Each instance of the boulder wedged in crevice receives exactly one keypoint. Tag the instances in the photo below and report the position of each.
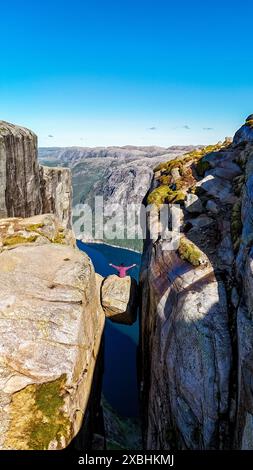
(119, 299)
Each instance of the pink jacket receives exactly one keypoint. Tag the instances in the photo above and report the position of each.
(122, 270)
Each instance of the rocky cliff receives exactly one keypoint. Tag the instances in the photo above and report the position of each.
(26, 188)
(56, 193)
(197, 336)
(51, 322)
(19, 172)
(51, 327)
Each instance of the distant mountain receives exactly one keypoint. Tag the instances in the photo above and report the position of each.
(121, 174)
(73, 155)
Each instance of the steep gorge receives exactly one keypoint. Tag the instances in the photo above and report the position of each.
(196, 304)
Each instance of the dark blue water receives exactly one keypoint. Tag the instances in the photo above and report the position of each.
(120, 377)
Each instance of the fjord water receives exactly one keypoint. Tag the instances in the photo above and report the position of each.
(121, 341)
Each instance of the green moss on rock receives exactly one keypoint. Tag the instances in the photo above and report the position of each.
(50, 423)
(202, 166)
(37, 417)
(19, 239)
(164, 194)
(249, 123)
(189, 252)
(34, 227)
(59, 238)
(164, 179)
(168, 166)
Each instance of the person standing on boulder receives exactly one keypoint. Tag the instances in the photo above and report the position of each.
(122, 269)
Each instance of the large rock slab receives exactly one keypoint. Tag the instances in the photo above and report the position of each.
(51, 325)
(218, 187)
(119, 299)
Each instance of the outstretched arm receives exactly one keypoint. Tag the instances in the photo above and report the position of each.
(113, 266)
(129, 267)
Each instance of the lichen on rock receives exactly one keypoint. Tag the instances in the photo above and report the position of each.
(37, 417)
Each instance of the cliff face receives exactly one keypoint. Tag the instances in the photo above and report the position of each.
(20, 194)
(197, 336)
(26, 188)
(51, 319)
(56, 192)
(244, 271)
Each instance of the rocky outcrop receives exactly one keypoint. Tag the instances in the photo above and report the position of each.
(119, 298)
(197, 336)
(40, 229)
(51, 318)
(245, 133)
(56, 191)
(51, 326)
(26, 188)
(20, 194)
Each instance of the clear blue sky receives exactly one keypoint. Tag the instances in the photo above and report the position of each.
(107, 72)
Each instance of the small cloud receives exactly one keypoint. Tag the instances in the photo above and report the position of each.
(152, 128)
(207, 128)
(50, 135)
(186, 127)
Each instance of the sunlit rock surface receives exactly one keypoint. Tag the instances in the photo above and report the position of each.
(51, 325)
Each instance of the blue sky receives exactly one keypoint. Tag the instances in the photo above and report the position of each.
(141, 72)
